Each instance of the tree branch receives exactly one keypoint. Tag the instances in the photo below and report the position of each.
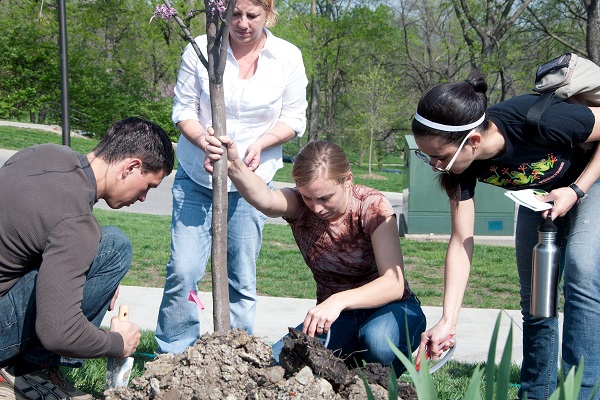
(188, 35)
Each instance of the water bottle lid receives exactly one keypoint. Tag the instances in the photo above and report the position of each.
(547, 226)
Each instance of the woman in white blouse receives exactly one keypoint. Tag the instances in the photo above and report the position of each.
(265, 102)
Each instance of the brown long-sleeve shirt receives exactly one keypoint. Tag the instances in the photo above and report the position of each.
(46, 221)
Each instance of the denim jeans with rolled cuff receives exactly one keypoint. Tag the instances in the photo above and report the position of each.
(364, 333)
(18, 339)
(191, 239)
(579, 240)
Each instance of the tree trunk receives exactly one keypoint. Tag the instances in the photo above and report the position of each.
(41, 119)
(217, 32)
(220, 284)
(313, 114)
(218, 41)
(591, 37)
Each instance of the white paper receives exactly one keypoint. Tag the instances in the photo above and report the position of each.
(526, 198)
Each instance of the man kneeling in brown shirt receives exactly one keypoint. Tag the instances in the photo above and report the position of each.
(59, 269)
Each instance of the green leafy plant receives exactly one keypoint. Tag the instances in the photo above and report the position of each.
(497, 380)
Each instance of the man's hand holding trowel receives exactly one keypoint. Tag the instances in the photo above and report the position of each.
(118, 370)
(130, 332)
(120, 323)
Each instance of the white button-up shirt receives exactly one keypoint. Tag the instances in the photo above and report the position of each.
(276, 93)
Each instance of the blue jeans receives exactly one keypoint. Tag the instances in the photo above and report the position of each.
(579, 239)
(191, 238)
(364, 333)
(18, 339)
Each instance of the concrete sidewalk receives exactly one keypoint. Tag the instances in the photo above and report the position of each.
(274, 315)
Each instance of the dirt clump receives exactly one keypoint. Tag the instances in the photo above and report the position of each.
(235, 365)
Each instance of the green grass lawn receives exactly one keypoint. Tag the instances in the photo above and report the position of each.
(12, 138)
(18, 138)
(383, 181)
(493, 282)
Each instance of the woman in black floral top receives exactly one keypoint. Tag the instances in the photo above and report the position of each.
(467, 142)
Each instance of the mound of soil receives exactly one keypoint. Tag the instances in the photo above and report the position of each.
(234, 365)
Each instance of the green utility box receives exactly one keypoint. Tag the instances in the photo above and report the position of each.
(426, 208)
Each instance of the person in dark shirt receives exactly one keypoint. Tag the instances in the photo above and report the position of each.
(468, 143)
(59, 270)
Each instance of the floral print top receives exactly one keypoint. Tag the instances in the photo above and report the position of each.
(526, 163)
(340, 254)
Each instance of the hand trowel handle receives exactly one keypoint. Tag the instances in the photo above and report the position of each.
(123, 312)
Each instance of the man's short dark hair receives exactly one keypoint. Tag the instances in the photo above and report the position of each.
(137, 137)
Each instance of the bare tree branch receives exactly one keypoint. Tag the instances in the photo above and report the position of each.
(188, 35)
(548, 32)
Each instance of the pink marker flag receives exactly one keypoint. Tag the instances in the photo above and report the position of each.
(194, 297)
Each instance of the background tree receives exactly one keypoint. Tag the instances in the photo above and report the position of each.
(121, 65)
(489, 22)
(592, 34)
(29, 49)
(572, 20)
(430, 50)
(374, 105)
(431, 35)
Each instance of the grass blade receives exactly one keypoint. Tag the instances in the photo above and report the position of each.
(422, 381)
(393, 385)
(370, 395)
(472, 392)
(490, 369)
(503, 379)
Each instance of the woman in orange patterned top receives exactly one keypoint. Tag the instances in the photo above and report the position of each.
(348, 236)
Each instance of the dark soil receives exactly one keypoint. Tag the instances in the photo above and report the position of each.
(234, 365)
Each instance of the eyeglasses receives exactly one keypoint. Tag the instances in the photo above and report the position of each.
(425, 158)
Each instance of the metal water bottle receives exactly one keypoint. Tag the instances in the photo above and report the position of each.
(544, 277)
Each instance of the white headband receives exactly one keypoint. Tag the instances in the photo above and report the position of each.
(449, 128)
